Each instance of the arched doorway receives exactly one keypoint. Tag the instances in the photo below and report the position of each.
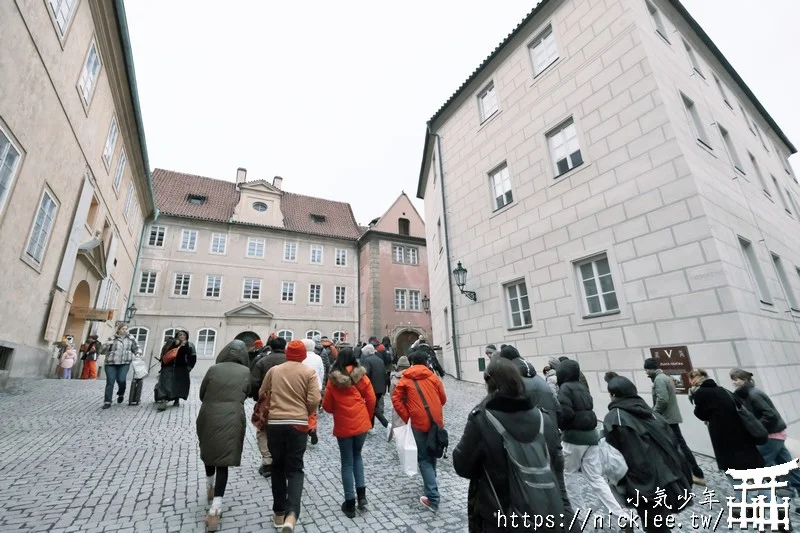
(248, 338)
(402, 345)
(76, 323)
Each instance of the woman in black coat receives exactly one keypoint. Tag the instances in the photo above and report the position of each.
(173, 379)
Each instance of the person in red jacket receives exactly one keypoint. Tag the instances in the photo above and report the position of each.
(351, 400)
(408, 403)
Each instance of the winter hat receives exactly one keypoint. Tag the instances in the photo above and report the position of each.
(609, 376)
(258, 344)
(317, 339)
(381, 348)
(296, 351)
(509, 352)
(490, 349)
(553, 362)
(309, 344)
(403, 363)
(651, 364)
(367, 350)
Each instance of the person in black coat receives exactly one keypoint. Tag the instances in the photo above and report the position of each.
(422, 346)
(174, 378)
(374, 365)
(536, 388)
(481, 450)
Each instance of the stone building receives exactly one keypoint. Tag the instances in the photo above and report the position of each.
(75, 188)
(393, 277)
(238, 260)
(612, 186)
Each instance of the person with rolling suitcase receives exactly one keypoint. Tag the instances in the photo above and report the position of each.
(140, 372)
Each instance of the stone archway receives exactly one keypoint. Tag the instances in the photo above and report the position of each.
(248, 338)
(76, 323)
(404, 338)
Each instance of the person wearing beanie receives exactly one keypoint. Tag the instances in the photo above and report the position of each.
(261, 365)
(314, 362)
(257, 348)
(375, 367)
(609, 376)
(489, 350)
(289, 395)
(665, 403)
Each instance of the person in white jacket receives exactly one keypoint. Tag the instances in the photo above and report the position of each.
(314, 362)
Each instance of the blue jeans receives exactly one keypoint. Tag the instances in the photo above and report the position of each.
(774, 453)
(352, 465)
(66, 373)
(118, 373)
(427, 467)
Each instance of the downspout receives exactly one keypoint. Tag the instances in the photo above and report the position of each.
(453, 335)
(358, 292)
(145, 225)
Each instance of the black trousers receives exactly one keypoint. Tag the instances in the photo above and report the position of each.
(221, 481)
(388, 382)
(696, 470)
(287, 447)
(379, 411)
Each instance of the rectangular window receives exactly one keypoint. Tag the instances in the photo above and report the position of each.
(62, 11)
(565, 150)
(543, 50)
(413, 300)
(147, 282)
(778, 192)
(722, 91)
(287, 291)
(487, 100)
(760, 137)
(446, 317)
(290, 251)
(114, 297)
(756, 274)
(413, 256)
(219, 243)
(597, 286)
(747, 119)
(189, 240)
(398, 253)
(694, 119)
(785, 285)
(128, 201)
(400, 299)
(316, 254)
(692, 58)
(519, 306)
(658, 21)
(182, 282)
(42, 225)
(111, 141)
(439, 234)
(9, 156)
(732, 153)
(793, 202)
(157, 234)
(314, 293)
(251, 289)
(123, 160)
(134, 214)
(501, 186)
(760, 176)
(341, 295)
(89, 74)
(255, 247)
(341, 257)
(213, 286)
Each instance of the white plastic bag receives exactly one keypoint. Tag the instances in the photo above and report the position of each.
(614, 465)
(389, 432)
(140, 370)
(406, 449)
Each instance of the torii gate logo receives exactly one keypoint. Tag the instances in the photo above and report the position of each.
(759, 511)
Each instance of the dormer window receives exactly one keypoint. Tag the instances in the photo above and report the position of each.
(196, 199)
(260, 206)
(318, 218)
(403, 226)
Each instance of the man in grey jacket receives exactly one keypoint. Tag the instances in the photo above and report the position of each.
(665, 403)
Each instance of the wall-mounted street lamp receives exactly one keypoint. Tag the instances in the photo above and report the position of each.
(426, 304)
(130, 312)
(460, 273)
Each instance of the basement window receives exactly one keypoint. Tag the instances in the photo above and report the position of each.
(318, 218)
(196, 199)
(5, 357)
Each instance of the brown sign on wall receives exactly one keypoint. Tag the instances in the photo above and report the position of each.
(675, 362)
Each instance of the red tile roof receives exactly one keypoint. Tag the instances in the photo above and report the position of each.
(172, 189)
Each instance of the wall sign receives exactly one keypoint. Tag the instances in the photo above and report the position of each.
(675, 363)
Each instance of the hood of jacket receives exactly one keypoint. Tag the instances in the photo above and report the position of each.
(234, 352)
(340, 379)
(509, 410)
(418, 372)
(526, 370)
(744, 391)
(568, 370)
(634, 405)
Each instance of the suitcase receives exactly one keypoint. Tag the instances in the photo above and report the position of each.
(135, 395)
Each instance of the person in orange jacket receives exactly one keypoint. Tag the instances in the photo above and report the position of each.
(351, 400)
(406, 399)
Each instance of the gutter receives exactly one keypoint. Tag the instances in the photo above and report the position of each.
(358, 292)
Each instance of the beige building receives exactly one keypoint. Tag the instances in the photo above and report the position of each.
(240, 260)
(74, 181)
(615, 190)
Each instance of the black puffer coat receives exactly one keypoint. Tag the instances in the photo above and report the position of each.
(261, 366)
(374, 366)
(758, 403)
(733, 445)
(577, 418)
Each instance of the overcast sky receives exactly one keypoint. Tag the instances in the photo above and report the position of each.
(334, 96)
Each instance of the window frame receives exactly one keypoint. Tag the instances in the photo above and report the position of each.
(253, 288)
(174, 331)
(408, 255)
(119, 172)
(198, 343)
(338, 254)
(338, 336)
(151, 278)
(163, 236)
(184, 276)
(694, 61)
(404, 294)
(539, 40)
(196, 238)
(284, 331)
(51, 9)
(692, 113)
(585, 311)
(319, 293)
(783, 280)
(224, 236)
(45, 242)
(730, 148)
(256, 241)
(753, 267)
(506, 179)
(439, 234)
(418, 307)
(218, 289)
(111, 144)
(402, 250)
(336, 298)
(138, 330)
(516, 283)
(290, 245)
(285, 293)
(14, 172)
(87, 100)
(311, 333)
(759, 174)
(482, 110)
(779, 193)
(313, 248)
(657, 20)
(722, 91)
(558, 130)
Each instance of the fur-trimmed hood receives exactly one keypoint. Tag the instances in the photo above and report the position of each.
(341, 379)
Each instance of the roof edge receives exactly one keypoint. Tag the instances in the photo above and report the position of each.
(422, 182)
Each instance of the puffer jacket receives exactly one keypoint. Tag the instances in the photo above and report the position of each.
(121, 350)
(221, 423)
(577, 418)
(758, 403)
(261, 366)
(552, 381)
(408, 404)
(373, 364)
(351, 400)
(68, 358)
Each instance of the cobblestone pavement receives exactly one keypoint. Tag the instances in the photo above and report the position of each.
(66, 465)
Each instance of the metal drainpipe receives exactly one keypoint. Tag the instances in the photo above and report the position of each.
(454, 337)
(358, 293)
(145, 225)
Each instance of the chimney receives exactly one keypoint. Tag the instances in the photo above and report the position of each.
(241, 175)
(277, 181)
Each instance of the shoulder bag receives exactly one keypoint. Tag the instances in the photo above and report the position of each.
(438, 440)
(752, 425)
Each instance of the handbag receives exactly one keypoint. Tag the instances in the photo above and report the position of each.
(438, 439)
(258, 418)
(170, 356)
(752, 425)
(140, 369)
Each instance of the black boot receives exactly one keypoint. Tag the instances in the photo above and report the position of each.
(176, 403)
(349, 508)
(362, 498)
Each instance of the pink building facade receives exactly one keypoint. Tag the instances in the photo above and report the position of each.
(393, 277)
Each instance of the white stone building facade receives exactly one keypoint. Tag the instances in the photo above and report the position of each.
(612, 186)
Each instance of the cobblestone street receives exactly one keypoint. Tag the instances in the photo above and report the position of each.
(66, 465)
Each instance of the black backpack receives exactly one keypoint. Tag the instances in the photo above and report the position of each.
(532, 485)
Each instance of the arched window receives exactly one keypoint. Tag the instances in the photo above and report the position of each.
(286, 334)
(140, 334)
(403, 226)
(170, 334)
(311, 333)
(206, 343)
(339, 336)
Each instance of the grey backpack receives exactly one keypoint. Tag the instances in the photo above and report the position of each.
(532, 485)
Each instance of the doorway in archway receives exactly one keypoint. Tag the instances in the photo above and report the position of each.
(404, 341)
(248, 338)
(76, 323)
